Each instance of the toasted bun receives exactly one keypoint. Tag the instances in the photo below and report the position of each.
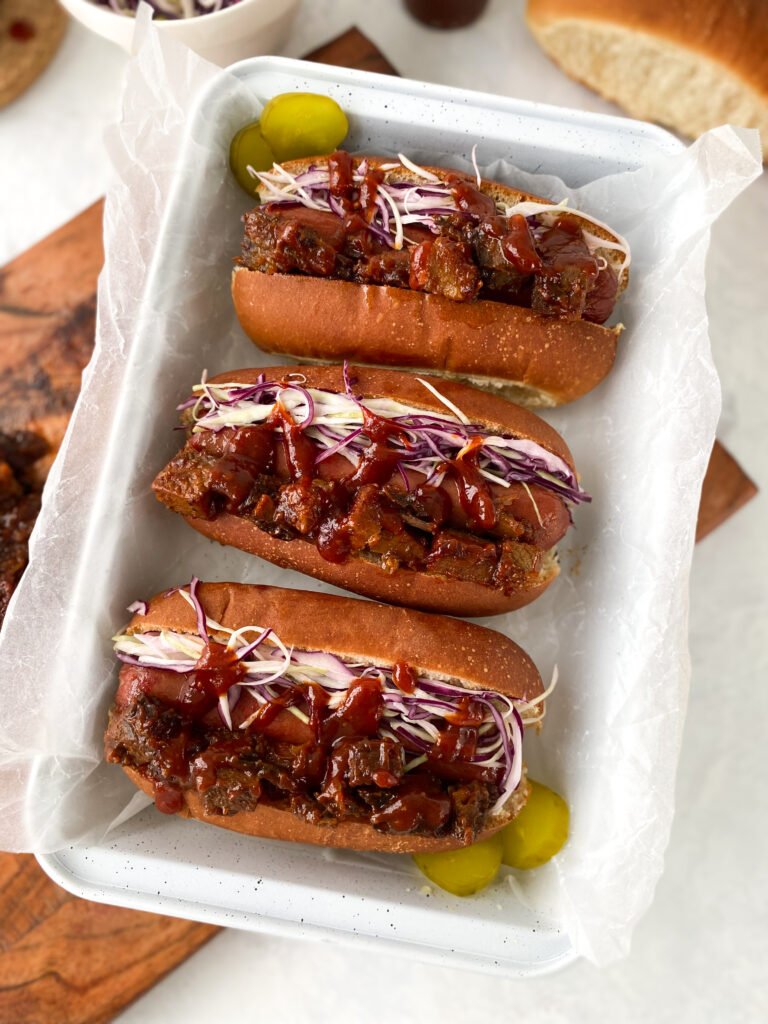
(529, 358)
(405, 586)
(448, 649)
(688, 65)
(523, 355)
(272, 823)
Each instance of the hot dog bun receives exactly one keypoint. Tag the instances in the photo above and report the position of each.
(359, 632)
(687, 65)
(519, 353)
(404, 586)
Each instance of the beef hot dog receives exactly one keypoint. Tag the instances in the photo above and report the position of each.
(445, 500)
(321, 719)
(386, 263)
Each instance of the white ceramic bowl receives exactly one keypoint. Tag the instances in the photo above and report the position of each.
(249, 28)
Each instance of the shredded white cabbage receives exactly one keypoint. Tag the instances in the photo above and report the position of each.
(460, 416)
(422, 172)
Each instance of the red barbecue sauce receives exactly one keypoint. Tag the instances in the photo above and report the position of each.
(215, 672)
(563, 245)
(340, 172)
(300, 450)
(404, 677)
(474, 493)
(468, 712)
(518, 246)
(218, 669)
(379, 460)
(469, 198)
(419, 798)
(369, 190)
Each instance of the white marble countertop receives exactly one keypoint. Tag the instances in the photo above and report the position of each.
(700, 951)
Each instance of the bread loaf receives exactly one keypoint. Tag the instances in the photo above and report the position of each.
(689, 65)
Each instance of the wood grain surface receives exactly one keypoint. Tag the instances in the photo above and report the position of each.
(725, 490)
(64, 960)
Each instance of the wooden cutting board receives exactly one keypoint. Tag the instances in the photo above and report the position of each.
(64, 960)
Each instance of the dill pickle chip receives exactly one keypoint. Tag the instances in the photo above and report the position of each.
(465, 871)
(297, 124)
(247, 149)
(539, 830)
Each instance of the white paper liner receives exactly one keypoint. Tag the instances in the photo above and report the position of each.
(615, 622)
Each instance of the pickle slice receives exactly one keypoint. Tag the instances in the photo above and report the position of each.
(249, 149)
(463, 872)
(539, 830)
(297, 124)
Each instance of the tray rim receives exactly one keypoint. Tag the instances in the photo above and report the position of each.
(55, 868)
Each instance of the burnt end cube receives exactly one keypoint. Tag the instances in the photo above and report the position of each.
(373, 762)
(462, 557)
(452, 271)
(470, 804)
(302, 508)
(518, 564)
(561, 293)
(202, 486)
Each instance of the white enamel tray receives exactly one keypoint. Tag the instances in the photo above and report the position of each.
(186, 869)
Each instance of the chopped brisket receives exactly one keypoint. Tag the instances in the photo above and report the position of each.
(460, 556)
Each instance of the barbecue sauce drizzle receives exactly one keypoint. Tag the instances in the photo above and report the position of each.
(420, 800)
(376, 466)
(216, 671)
(243, 456)
(552, 250)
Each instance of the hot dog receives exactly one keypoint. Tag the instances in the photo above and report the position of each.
(440, 499)
(388, 264)
(321, 719)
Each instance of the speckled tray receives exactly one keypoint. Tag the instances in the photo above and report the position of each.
(189, 870)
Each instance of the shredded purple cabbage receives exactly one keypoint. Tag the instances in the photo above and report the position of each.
(428, 440)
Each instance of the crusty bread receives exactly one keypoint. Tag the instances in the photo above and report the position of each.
(364, 631)
(686, 64)
(359, 631)
(272, 823)
(364, 576)
(526, 356)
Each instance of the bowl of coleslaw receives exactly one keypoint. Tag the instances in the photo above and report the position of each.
(221, 31)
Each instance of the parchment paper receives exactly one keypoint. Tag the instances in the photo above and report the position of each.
(615, 622)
